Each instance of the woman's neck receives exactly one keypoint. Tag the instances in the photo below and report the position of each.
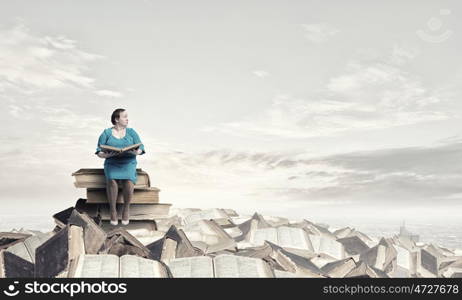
(119, 128)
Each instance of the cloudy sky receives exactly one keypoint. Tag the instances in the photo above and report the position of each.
(302, 108)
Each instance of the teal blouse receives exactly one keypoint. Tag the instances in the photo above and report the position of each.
(121, 166)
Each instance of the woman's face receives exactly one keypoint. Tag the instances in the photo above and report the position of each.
(123, 119)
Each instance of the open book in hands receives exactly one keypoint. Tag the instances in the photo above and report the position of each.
(107, 148)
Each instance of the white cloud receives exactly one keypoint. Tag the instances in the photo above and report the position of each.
(20, 112)
(60, 42)
(37, 73)
(32, 62)
(109, 93)
(368, 95)
(319, 33)
(260, 73)
(384, 178)
(63, 118)
(402, 54)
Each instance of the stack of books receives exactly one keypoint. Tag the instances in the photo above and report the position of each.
(143, 206)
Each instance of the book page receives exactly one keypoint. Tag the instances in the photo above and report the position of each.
(315, 241)
(233, 231)
(94, 236)
(168, 250)
(2, 264)
(292, 237)
(227, 266)
(33, 242)
(97, 265)
(76, 243)
(135, 266)
(284, 274)
(120, 150)
(134, 146)
(323, 244)
(403, 257)
(340, 269)
(205, 214)
(259, 236)
(110, 148)
(187, 267)
(210, 233)
(20, 250)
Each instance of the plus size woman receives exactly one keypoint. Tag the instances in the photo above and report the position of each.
(119, 167)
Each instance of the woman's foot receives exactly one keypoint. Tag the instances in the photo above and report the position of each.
(114, 217)
(115, 223)
(125, 222)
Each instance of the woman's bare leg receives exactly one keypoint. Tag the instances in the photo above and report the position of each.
(128, 188)
(112, 191)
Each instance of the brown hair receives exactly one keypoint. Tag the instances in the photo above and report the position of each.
(116, 115)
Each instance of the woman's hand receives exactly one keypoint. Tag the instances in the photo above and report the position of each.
(112, 153)
(135, 151)
(107, 154)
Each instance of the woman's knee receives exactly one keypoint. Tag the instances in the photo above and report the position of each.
(112, 182)
(127, 182)
(128, 186)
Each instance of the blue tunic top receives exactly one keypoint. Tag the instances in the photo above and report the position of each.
(122, 166)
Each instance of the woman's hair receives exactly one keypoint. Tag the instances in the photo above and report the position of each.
(116, 115)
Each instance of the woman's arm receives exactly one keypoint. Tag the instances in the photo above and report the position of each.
(135, 151)
(106, 154)
(137, 140)
(101, 141)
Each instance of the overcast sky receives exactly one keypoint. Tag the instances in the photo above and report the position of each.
(295, 108)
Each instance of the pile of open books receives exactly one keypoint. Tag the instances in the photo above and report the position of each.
(216, 243)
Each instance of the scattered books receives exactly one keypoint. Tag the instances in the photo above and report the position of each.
(110, 265)
(220, 267)
(165, 242)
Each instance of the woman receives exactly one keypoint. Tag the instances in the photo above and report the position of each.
(119, 166)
